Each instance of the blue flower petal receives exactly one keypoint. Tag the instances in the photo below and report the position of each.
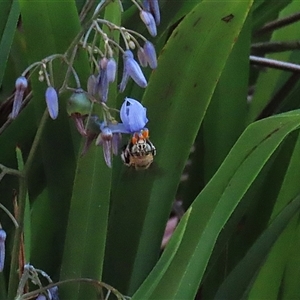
(133, 69)
(133, 115)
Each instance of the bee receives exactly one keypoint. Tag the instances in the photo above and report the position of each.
(139, 151)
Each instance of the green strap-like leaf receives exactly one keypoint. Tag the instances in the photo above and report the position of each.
(8, 33)
(236, 284)
(213, 207)
(177, 97)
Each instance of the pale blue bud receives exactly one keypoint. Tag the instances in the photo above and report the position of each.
(132, 69)
(142, 57)
(152, 7)
(150, 54)
(2, 248)
(111, 70)
(92, 85)
(21, 85)
(52, 102)
(149, 21)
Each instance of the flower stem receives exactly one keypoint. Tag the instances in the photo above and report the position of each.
(275, 64)
(14, 266)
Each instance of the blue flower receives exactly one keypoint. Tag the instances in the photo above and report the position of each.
(133, 70)
(133, 115)
(134, 119)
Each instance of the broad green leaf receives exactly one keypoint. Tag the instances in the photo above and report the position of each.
(268, 281)
(176, 99)
(290, 286)
(44, 37)
(235, 286)
(218, 200)
(88, 215)
(225, 117)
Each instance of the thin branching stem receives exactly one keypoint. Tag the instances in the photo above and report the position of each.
(273, 47)
(13, 276)
(10, 215)
(98, 285)
(275, 64)
(271, 26)
(9, 171)
(86, 9)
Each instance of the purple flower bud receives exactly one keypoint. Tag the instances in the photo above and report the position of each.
(92, 85)
(52, 102)
(21, 85)
(132, 68)
(150, 54)
(133, 115)
(149, 21)
(52, 294)
(105, 139)
(111, 70)
(142, 57)
(152, 7)
(103, 85)
(146, 5)
(2, 248)
(17, 104)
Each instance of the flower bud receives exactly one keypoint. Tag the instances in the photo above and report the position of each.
(105, 139)
(133, 115)
(149, 21)
(142, 57)
(52, 102)
(111, 70)
(152, 7)
(132, 69)
(21, 85)
(92, 85)
(79, 103)
(150, 54)
(2, 248)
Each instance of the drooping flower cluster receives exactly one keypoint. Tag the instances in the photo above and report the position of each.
(103, 61)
